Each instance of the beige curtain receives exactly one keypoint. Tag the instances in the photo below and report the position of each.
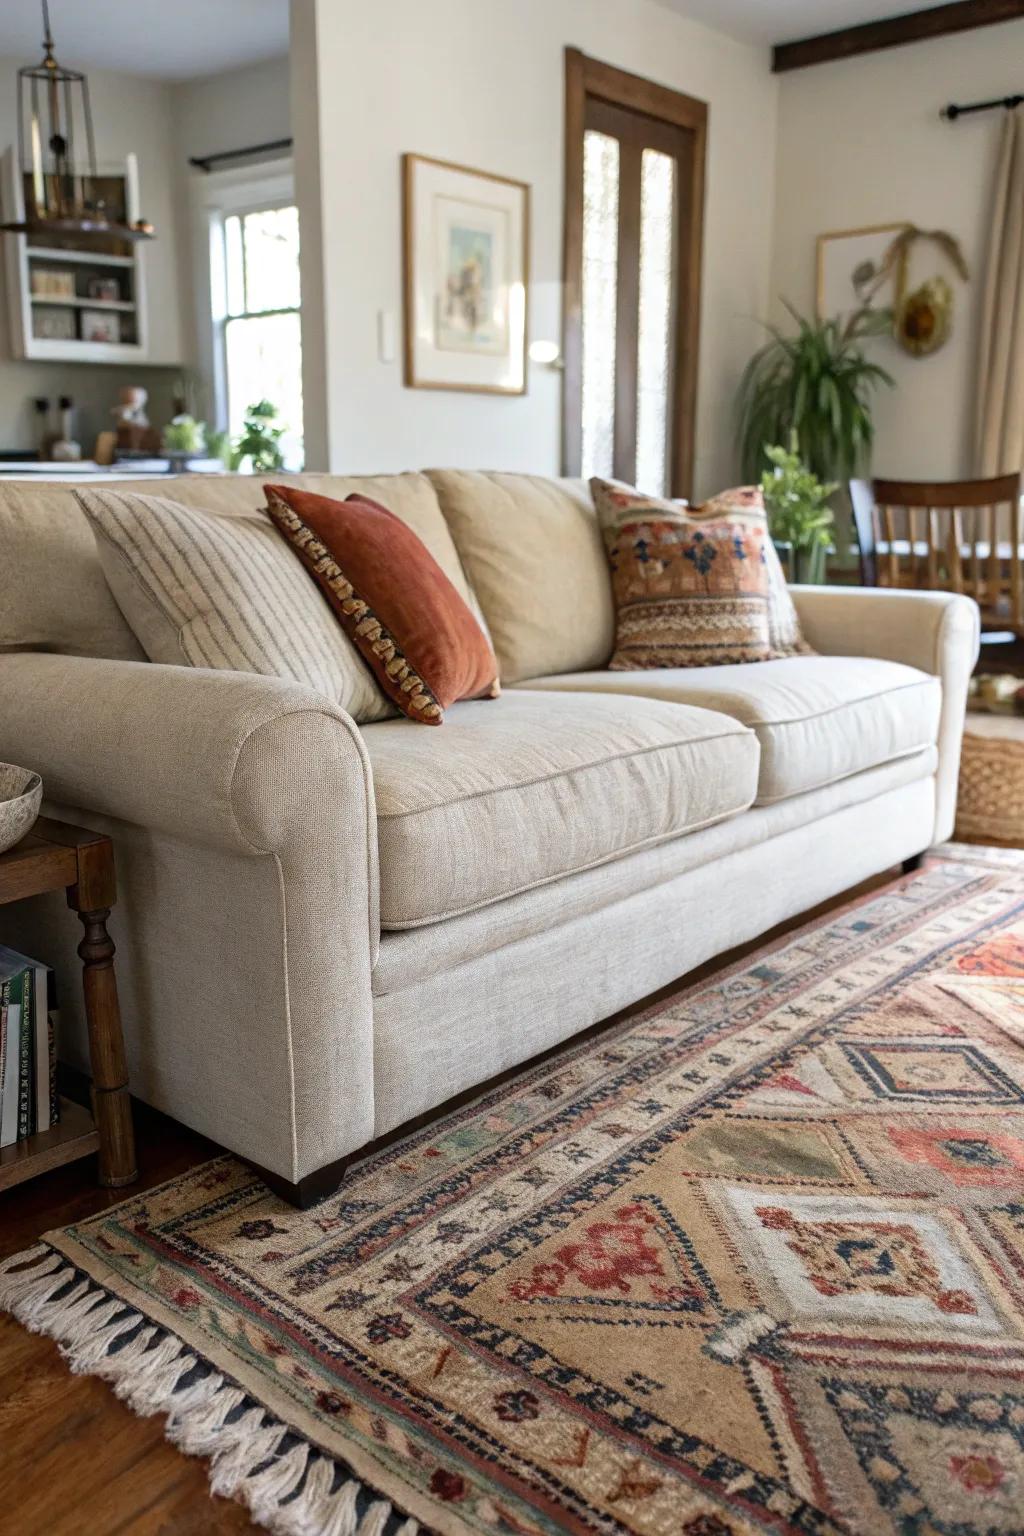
(1000, 418)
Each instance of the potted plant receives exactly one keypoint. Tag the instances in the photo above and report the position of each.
(817, 384)
(260, 441)
(799, 516)
(183, 437)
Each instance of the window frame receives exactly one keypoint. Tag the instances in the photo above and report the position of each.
(221, 195)
(589, 86)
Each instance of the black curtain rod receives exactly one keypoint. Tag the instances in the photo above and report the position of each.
(207, 162)
(952, 112)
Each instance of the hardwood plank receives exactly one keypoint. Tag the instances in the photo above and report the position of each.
(912, 27)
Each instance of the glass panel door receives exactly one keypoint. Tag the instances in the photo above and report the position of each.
(654, 349)
(635, 155)
(600, 279)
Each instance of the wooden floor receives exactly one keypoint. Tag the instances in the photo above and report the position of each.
(73, 1460)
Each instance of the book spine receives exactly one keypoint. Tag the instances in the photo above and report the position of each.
(5, 997)
(12, 1063)
(52, 1017)
(26, 1105)
(41, 1047)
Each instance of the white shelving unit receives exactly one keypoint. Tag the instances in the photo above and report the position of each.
(87, 260)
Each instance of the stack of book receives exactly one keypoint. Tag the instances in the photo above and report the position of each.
(28, 1065)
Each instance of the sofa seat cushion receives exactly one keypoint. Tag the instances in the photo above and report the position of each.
(818, 718)
(514, 792)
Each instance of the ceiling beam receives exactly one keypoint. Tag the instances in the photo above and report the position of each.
(914, 27)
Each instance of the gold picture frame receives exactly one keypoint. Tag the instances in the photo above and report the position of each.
(466, 277)
(838, 254)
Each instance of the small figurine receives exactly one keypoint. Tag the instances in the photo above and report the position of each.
(134, 433)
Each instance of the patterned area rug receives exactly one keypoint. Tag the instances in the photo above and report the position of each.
(753, 1262)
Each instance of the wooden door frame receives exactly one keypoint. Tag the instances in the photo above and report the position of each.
(586, 77)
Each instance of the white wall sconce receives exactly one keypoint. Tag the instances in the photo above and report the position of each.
(547, 353)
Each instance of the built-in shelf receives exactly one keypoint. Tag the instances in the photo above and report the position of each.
(46, 298)
(39, 321)
(86, 258)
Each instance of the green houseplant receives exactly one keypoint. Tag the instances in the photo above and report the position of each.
(799, 516)
(817, 384)
(260, 441)
(184, 435)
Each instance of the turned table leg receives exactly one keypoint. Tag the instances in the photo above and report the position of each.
(91, 899)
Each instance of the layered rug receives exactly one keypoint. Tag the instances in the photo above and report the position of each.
(753, 1262)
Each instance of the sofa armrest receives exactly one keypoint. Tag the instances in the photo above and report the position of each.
(936, 632)
(243, 816)
(181, 750)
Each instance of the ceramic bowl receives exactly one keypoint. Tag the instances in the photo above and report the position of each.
(21, 792)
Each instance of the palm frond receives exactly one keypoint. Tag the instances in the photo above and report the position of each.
(818, 384)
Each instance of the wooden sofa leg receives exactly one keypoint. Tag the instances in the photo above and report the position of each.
(914, 862)
(310, 1190)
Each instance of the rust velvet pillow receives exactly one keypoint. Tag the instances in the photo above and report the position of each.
(405, 618)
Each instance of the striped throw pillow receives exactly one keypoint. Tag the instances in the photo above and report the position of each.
(206, 590)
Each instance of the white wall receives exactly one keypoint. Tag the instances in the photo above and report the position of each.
(480, 82)
(129, 114)
(861, 142)
(232, 110)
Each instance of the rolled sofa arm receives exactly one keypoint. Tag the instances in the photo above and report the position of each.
(244, 823)
(936, 632)
(177, 749)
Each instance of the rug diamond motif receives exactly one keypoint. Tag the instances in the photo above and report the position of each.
(751, 1264)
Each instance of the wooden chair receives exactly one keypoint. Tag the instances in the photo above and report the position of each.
(956, 536)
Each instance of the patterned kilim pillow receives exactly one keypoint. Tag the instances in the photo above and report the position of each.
(694, 587)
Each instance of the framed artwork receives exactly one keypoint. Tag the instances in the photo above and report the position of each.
(466, 240)
(100, 325)
(849, 263)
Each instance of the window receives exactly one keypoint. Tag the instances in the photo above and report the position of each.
(634, 203)
(258, 319)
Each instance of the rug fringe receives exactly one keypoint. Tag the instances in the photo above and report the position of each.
(288, 1485)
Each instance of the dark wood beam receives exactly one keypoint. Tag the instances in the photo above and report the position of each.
(914, 27)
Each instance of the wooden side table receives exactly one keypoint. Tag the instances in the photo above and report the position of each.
(55, 856)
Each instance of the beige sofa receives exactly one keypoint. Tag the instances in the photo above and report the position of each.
(326, 930)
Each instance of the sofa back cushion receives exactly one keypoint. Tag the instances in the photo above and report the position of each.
(532, 551)
(56, 597)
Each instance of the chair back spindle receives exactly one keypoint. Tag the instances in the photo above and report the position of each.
(958, 536)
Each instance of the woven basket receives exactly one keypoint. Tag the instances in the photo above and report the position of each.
(990, 808)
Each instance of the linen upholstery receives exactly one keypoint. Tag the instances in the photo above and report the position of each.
(62, 601)
(224, 592)
(241, 809)
(411, 955)
(817, 718)
(55, 595)
(532, 551)
(527, 788)
(243, 821)
(413, 630)
(436, 1038)
(937, 632)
